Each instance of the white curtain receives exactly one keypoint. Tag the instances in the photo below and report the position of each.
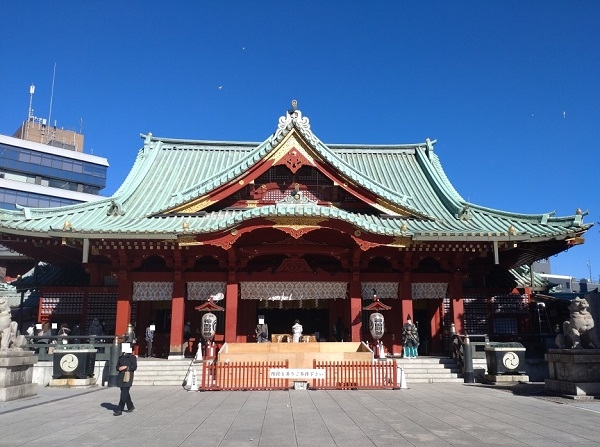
(385, 290)
(291, 290)
(429, 290)
(204, 290)
(152, 291)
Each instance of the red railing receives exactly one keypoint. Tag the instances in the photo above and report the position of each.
(357, 375)
(242, 376)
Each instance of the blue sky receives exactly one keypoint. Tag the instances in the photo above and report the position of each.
(508, 88)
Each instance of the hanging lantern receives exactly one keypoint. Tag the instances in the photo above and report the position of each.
(209, 326)
(376, 325)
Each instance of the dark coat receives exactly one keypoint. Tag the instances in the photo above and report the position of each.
(130, 361)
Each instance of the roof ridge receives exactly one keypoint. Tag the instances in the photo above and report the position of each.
(294, 120)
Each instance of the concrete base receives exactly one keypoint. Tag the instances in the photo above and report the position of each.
(74, 383)
(42, 372)
(573, 388)
(574, 372)
(16, 374)
(505, 378)
(18, 392)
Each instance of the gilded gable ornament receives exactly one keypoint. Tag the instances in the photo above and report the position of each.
(296, 198)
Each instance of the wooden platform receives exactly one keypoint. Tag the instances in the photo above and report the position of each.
(299, 355)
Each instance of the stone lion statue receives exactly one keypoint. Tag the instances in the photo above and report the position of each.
(10, 339)
(578, 331)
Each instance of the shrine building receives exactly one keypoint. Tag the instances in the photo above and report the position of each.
(290, 228)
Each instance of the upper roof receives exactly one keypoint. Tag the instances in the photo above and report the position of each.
(172, 180)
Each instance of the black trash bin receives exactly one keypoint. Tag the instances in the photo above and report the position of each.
(74, 361)
(505, 358)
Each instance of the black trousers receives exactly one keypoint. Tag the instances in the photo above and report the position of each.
(125, 399)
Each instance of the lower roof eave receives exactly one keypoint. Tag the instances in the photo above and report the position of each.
(471, 238)
(93, 236)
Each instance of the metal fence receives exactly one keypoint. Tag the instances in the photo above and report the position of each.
(44, 345)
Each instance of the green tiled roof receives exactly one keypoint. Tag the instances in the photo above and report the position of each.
(169, 173)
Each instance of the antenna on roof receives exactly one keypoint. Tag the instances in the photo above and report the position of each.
(29, 112)
(31, 92)
(52, 94)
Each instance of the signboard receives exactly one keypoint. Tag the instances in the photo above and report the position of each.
(296, 373)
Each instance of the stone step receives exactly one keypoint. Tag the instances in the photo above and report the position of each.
(415, 371)
(161, 372)
(433, 380)
(173, 372)
(430, 370)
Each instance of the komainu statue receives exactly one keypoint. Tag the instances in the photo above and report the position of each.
(579, 330)
(9, 330)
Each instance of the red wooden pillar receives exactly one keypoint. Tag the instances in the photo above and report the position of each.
(231, 311)
(231, 300)
(456, 303)
(123, 303)
(177, 317)
(355, 309)
(406, 303)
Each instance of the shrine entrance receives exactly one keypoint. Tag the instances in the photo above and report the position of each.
(427, 316)
(313, 321)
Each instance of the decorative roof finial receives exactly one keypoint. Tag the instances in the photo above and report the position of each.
(292, 111)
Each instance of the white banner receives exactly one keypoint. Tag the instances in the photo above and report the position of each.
(296, 373)
(293, 290)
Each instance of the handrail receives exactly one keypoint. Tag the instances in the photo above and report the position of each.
(457, 341)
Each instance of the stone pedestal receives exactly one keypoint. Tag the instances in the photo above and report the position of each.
(505, 379)
(73, 383)
(16, 374)
(574, 372)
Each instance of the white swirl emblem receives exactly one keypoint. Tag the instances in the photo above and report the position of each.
(510, 360)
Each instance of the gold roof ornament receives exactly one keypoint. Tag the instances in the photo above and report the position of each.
(67, 226)
(185, 225)
(512, 231)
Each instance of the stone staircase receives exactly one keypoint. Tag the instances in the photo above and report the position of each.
(430, 370)
(420, 370)
(153, 371)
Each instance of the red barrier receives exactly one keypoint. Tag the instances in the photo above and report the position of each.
(357, 375)
(242, 376)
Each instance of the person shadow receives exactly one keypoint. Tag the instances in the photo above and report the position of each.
(109, 406)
